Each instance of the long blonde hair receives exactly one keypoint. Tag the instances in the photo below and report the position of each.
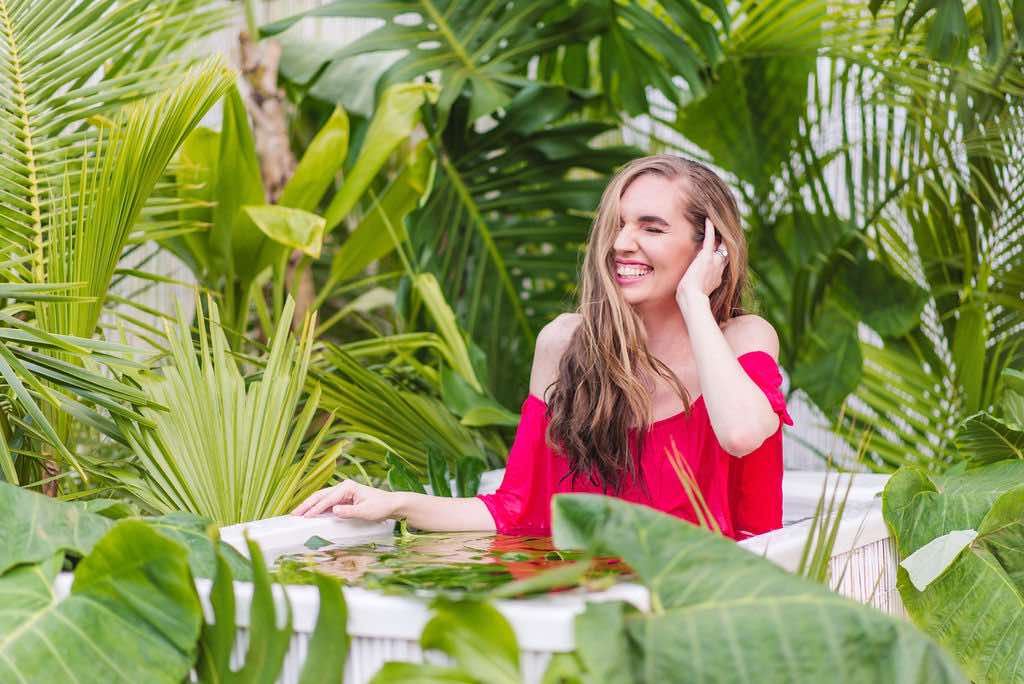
(606, 374)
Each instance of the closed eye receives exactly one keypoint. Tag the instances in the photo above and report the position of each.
(651, 229)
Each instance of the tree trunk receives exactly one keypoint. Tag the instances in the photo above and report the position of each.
(267, 105)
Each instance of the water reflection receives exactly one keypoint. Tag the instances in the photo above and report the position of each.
(465, 562)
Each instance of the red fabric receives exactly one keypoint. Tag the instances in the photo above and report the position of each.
(743, 494)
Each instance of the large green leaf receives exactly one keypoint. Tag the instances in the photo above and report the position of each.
(35, 527)
(306, 68)
(193, 533)
(882, 300)
(132, 614)
(397, 114)
(986, 439)
(720, 613)
(292, 228)
(484, 49)
(237, 183)
(321, 160)
(976, 606)
(383, 227)
(830, 368)
(474, 635)
(268, 644)
(745, 132)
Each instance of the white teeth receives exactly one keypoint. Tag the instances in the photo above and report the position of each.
(632, 271)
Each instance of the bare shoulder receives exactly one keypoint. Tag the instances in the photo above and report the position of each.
(552, 341)
(559, 331)
(750, 332)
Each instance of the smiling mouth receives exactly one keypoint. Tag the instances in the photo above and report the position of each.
(632, 273)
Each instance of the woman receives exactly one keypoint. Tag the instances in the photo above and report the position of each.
(659, 353)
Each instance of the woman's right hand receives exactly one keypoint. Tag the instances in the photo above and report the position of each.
(349, 499)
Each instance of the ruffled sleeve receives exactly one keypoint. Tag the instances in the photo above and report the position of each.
(763, 370)
(755, 480)
(522, 504)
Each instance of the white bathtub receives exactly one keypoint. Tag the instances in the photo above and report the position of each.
(384, 627)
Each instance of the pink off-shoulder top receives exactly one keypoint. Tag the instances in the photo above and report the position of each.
(743, 494)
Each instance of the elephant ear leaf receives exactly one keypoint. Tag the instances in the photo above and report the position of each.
(133, 588)
(36, 527)
(987, 439)
(970, 598)
(928, 563)
(710, 597)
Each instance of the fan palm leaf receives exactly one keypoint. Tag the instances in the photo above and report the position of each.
(229, 448)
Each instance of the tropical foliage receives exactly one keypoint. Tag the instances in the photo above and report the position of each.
(94, 109)
(929, 515)
(249, 240)
(966, 528)
(377, 319)
(211, 449)
(717, 613)
(132, 609)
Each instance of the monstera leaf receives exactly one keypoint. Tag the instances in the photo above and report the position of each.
(133, 614)
(720, 613)
(974, 604)
(485, 49)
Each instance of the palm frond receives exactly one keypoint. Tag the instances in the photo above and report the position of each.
(228, 448)
(89, 231)
(66, 61)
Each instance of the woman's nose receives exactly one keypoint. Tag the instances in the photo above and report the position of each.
(625, 241)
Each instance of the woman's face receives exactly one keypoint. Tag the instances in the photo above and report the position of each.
(655, 244)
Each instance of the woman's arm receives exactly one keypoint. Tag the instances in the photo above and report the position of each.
(444, 514)
(740, 413)
(351, 499)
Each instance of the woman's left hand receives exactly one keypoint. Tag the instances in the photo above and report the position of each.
(704, 274)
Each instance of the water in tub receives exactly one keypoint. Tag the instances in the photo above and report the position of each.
(469, 563)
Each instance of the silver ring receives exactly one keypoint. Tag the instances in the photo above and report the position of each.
(722, 252)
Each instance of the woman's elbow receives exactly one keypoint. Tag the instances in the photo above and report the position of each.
(742, 442)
